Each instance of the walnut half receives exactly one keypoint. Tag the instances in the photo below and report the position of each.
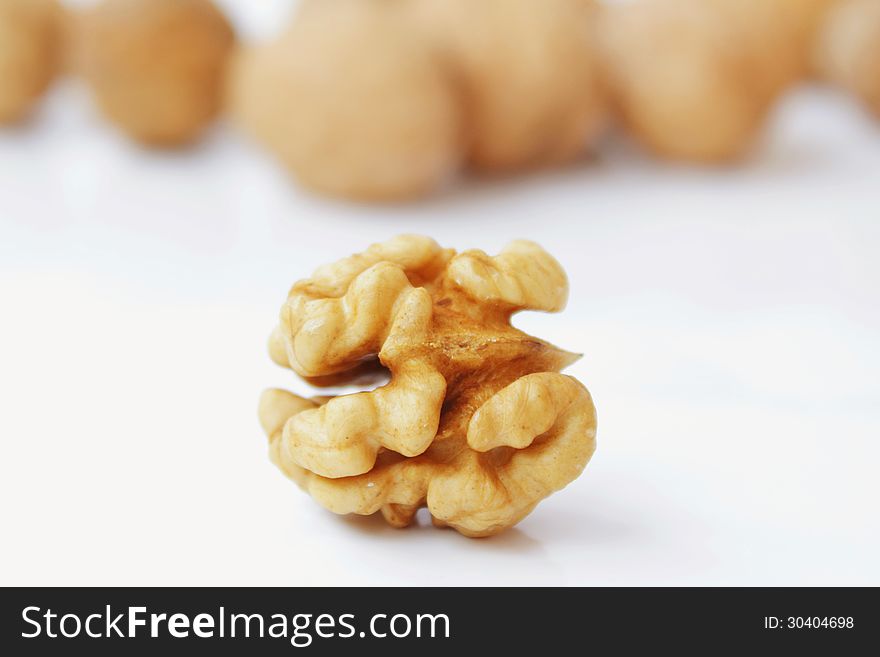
(476, 422)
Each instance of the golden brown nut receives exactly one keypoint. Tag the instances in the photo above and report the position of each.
(156, 67)
(476, 422)
(807, 17)
(767, 32)
(779, 34)
(682, 80)
(848, 49)
(352, 101)
(529, 76)
(30, 33)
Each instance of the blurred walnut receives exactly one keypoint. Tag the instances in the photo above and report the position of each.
(476, 423)
(352, 101)
(848, 49)
(779, 35)
(529, 76)
(156, 67)
(807, 17)
(684, 81)
(767, 32)
(30, 50)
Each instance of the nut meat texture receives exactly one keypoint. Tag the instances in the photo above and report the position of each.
(476, 422)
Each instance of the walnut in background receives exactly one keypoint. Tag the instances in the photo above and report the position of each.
(528, 73)
(848, 49)
(386, 99)
(352, 101)
(30, 53)
(808, 17)
(684, 80)
(156, 67)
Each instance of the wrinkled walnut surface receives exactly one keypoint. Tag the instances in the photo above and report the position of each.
(476, 422)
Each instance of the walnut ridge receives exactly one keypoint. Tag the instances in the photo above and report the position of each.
(476, 422)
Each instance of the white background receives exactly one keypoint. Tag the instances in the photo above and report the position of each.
(729, 320)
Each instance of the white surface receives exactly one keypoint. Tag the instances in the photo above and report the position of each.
(729, 319)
